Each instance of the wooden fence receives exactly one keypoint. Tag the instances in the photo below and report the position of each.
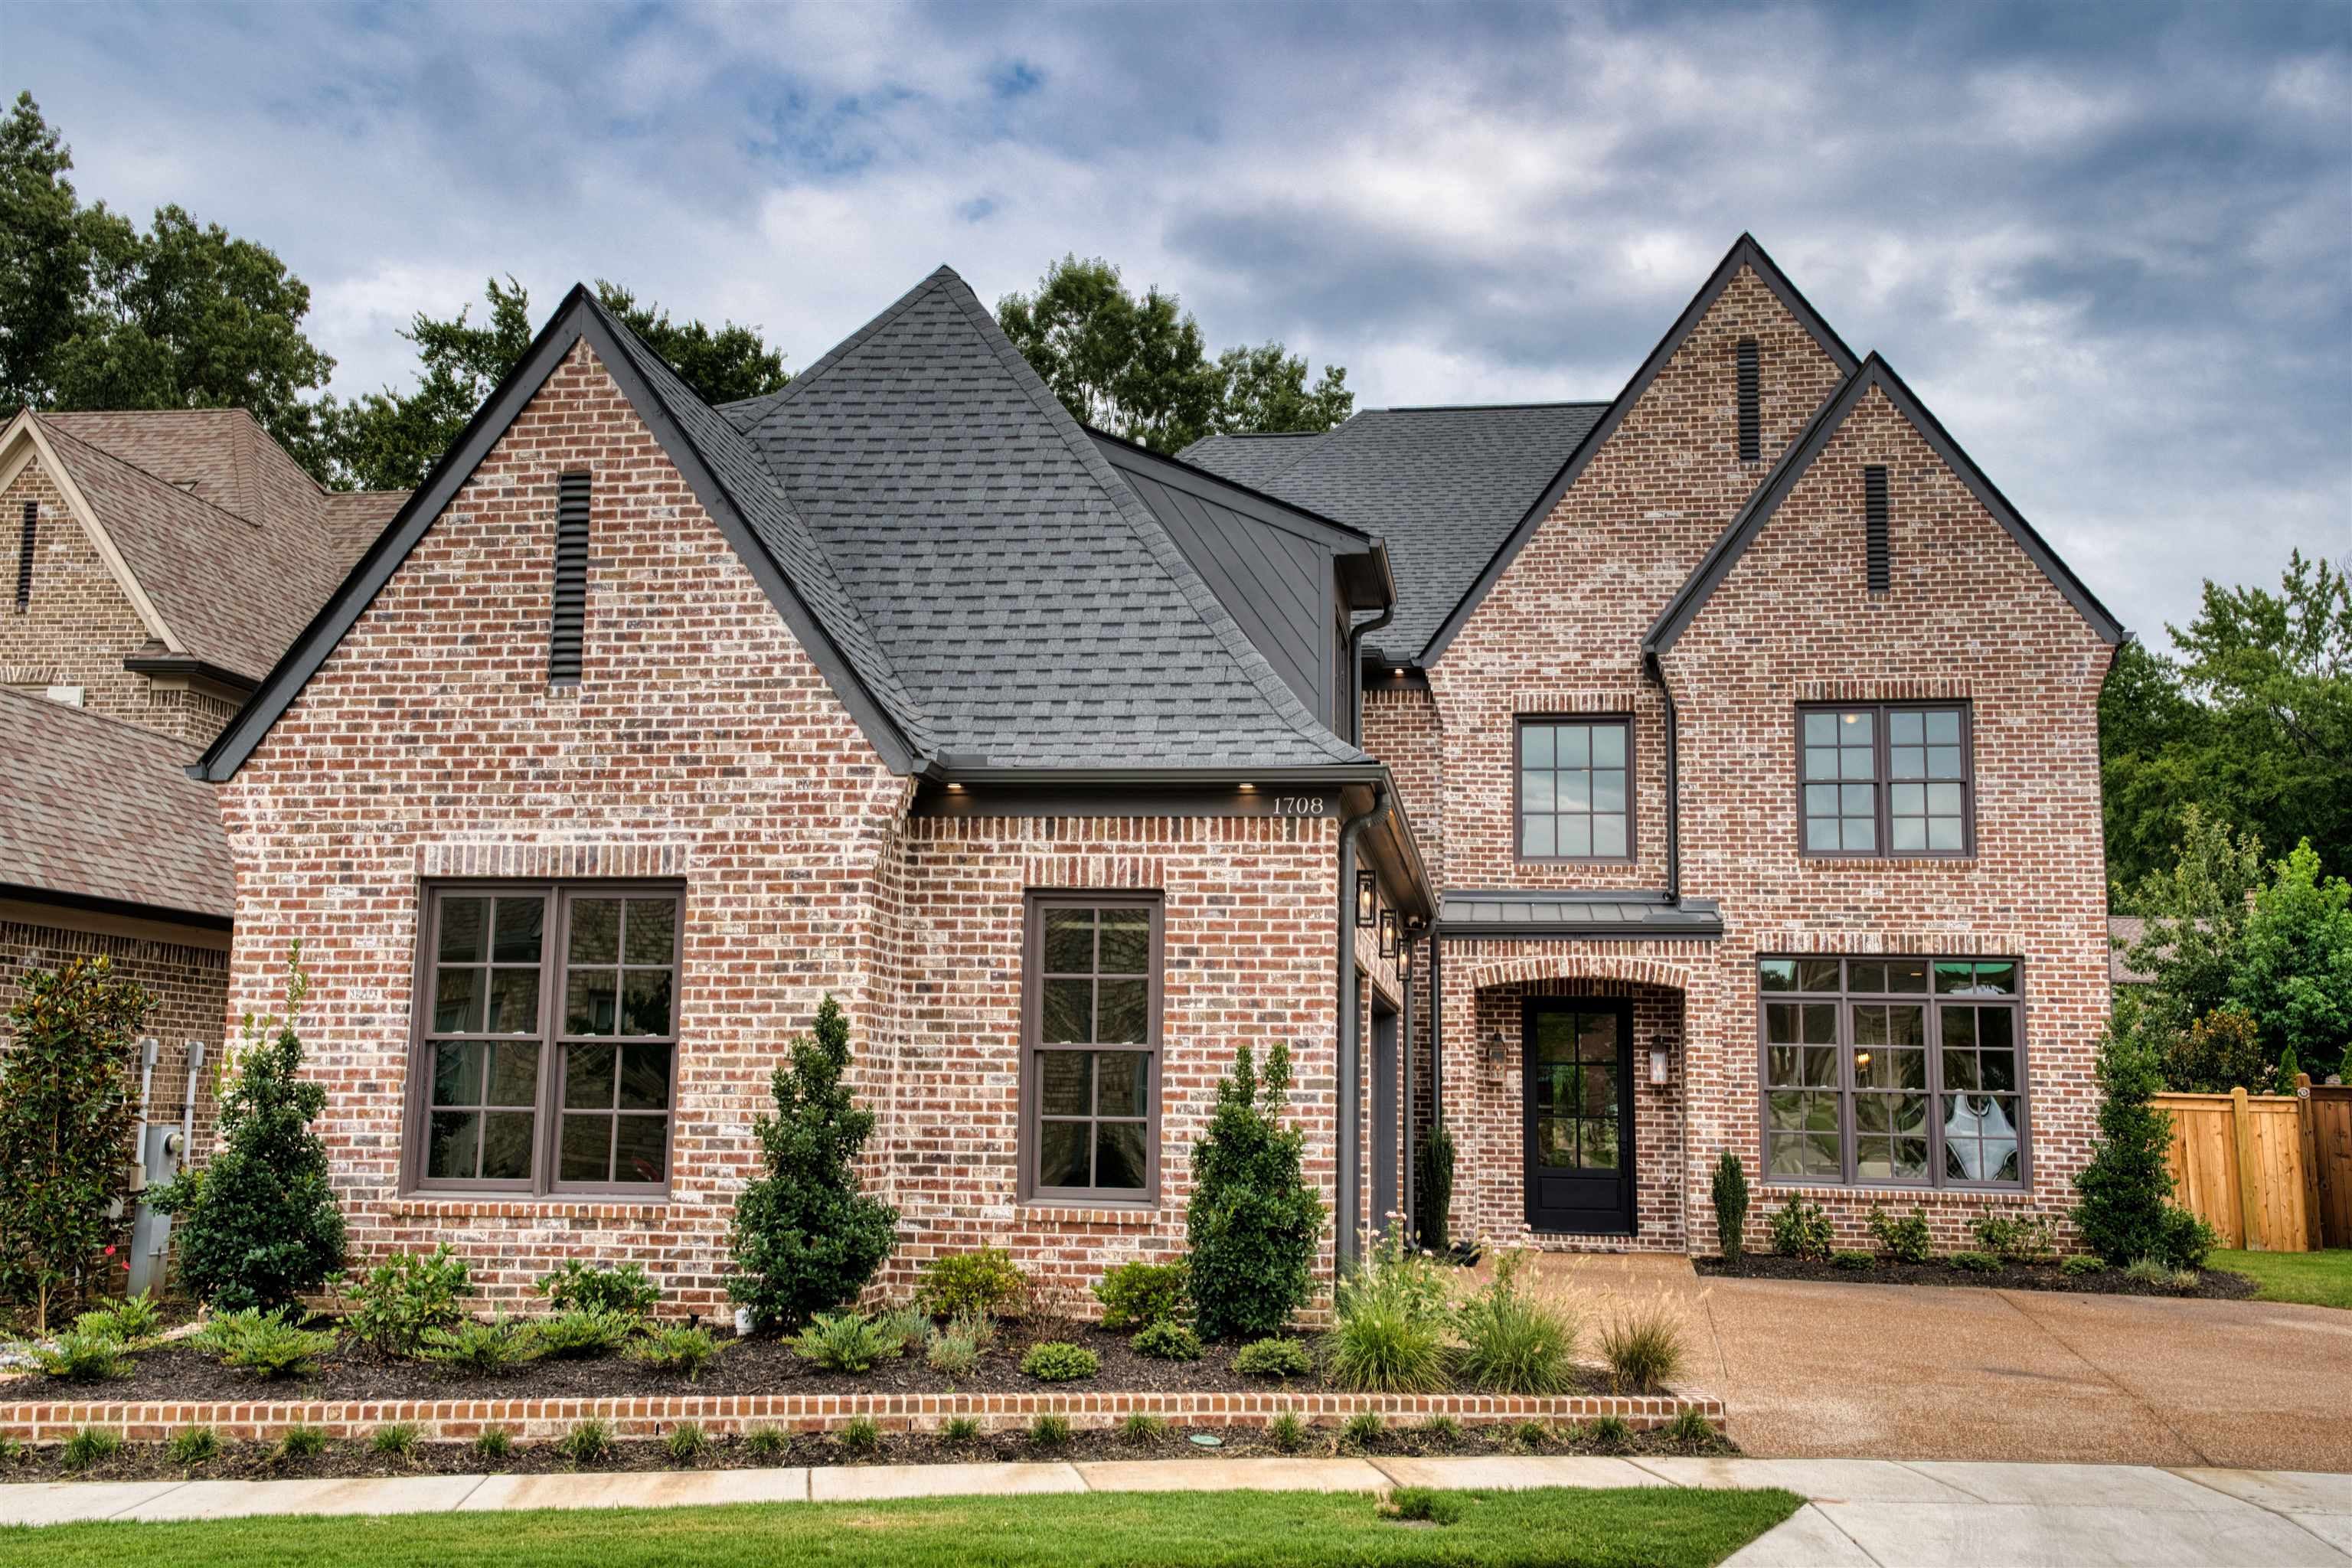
(2271, 1172)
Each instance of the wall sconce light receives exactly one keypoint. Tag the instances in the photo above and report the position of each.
(1404, 960)
(1390, 927)
(1495, 1047)
(1662, 1060)
(1368, 896)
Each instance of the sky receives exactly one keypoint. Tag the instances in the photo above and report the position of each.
(2109, 245)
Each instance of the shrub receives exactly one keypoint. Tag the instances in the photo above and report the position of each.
(1976, 1262)
(687, 1442)
(1139, 1428)
(2015, 1239)
(576, 1286)
(985, 1282)
(1273, 1358)
(905, 1327)
(1252, 1223)
(68, 1103)
(494, 1443)
(1731, 1205)
(1432, 1187)
(90, 1446)
(1287, 1432)
(410, 1294)
(268, 1343)
(1136, 1295)
(587, 1443)
(1905, 1240)
(845, 1342)
(2080, 1264)
(2185, 1239)
(1422, 1505)
(82, 1358)
(130, 1322)
(951, 1350)
(193, 1446)
(1855, 1261)
(1058, 1361)
(859, 1435)
(395, 1440)
(1362, 1430)
(1512, 1341)
(1801, 1229)
(584, 1332)
(2220, 1051)
(1531, 1436)
(1167, 1341)
(767, 1444)
(2294, 971)
(1643, 1342)
(489, 1349)
(257, 1223)
(302, 1443)
(805, 1235)
(1391, 1319)
(960, 1429)
(2125, 1191)
(1610, 1434)
(1689, 1429)
(1050, 1431)
(1443, 1430)
(676, 1349)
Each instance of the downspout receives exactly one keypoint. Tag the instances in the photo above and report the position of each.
(1404, 1154)
(1656, 672)
(1356, 671)
(1346, 1198)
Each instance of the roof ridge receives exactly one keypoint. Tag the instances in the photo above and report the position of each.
(96, 717)
(1232, 484)
(148, 474)
(1490, 408)
(841, 351)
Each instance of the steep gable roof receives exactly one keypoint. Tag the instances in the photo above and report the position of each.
(1873, 374)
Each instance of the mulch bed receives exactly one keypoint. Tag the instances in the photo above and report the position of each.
(258, 1461)
(754, 1365)
(2212, 1284)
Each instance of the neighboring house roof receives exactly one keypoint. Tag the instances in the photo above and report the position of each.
(2123, 933)
(1532, 913)
(101, 811)
(1442, 487)
(1875, 373)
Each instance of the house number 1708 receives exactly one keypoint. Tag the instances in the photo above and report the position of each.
(1298, 805)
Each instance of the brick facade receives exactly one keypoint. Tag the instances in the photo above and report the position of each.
(79, 625)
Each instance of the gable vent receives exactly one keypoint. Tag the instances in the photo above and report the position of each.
(571, 579)
(1752, 436)
(25, 555)
(1873, 524)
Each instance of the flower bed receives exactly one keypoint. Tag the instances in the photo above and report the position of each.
(2211, 1283)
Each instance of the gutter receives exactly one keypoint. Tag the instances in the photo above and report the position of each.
(1356, 665)
(1652, 668)
(1346, 1196)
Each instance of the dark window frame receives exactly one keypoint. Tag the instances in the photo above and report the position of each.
(544, 1182)
(1035, 903)
(1881, 783)
(1935, 1001)
(1520, 722)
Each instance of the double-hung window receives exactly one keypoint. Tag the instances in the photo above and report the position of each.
(1090, 1048)
(546, 1055)
(1886, 779)
(1894, 1071)
(1574, 789)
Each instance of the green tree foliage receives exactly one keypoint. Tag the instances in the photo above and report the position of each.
(390, 440)
(1253, 1222)
(259, 1225)
(2125, 1208)
(68, 1102)
(805, 1238)
(2253, 722)
(1137, 366)
(94, 313)
(2294, 965)
(2196, 909)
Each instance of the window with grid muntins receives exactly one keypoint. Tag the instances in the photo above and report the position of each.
(1751, 422)
(1886, 779)
(569, 626)
(1091, 1092)
(1574, 789)
(547, 1050)
(1894, 1071)
(25, 555)
(1877, 556)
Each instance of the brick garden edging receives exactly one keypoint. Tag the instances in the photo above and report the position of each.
(458, 1420)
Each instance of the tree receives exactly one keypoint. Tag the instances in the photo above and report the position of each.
(1253, 1223)
(390, 440)
(2125, 1210)
(2197, 911)
(805, 1237)
(68, 1103)
(2294, 963)
(259, 1225)
(45, 257)
(1137, 367)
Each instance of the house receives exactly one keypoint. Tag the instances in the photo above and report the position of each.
(158, 564)
(1710, 769)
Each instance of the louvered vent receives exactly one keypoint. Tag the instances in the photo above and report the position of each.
(1751, 435)
(25, 555)
(571, 578)
(1873, 523)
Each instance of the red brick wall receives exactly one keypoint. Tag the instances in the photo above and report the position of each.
(79, 625)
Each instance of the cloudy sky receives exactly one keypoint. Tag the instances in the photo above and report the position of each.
(2111, 245)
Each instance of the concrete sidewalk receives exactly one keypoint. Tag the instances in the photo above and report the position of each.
(1862, 1513)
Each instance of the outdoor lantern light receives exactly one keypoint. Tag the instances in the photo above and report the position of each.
(1405, 959)
(1388, 933)
(1662, 1060)
(1368, 896)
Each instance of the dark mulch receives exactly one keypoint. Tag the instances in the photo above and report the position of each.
(2212, 1284)
(755, 1365)
(258, 1461)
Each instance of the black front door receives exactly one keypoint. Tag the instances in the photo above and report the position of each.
(1579, 1114)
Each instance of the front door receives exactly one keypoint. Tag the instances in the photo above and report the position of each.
(1384, 1116)
(1580, 1115)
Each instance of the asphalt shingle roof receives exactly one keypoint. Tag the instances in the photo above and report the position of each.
(100, 808)
(1444, 487)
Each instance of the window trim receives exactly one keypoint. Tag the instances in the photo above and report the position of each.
(1846, 997)
(1034, 903)
(1520, 722)
(1881, 784)
(542, 1185)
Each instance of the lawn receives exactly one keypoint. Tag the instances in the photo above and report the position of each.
(2316, 1278)
(1667, 1527)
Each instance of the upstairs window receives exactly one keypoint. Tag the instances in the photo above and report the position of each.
(569, 624)
(1574, 789)
(25, 555)
(1751, 425)
(1886, 779)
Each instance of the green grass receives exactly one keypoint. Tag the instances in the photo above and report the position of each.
(1648, 1526)
(2315, 1278)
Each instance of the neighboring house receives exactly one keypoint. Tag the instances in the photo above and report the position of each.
(1733, 740)
(2126, 932)
(157, 563)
